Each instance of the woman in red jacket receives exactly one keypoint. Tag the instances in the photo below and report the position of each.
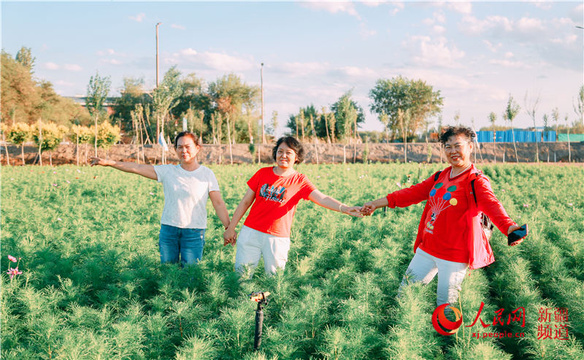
(450, 238)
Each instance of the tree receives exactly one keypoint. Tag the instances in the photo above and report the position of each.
(391, 95)
(579, 105)
(492, 120)
(348, 115)
(566, 118)
(531, 109)
(298, 122)
(165, 97)
(25, 58)
(509, 115)
(230, 96)
(384, 118)
(97, 91)
(19, 98)
(131, 95)
(48, 137)
(107, 135)
(81, 135)
(18, 134)
(404, 118)
(274, 124)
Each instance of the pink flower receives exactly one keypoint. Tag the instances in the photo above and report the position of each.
(525, 205)
(13, 272)
(12, 258)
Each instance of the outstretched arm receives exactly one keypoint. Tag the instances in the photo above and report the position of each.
(220, 208)
(230, 235)
(329, 203)
(130, 167)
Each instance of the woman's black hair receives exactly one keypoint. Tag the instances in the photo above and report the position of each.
(458, 130)
(293, 144)
(187, 134)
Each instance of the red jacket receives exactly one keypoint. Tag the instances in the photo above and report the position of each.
(450, 227)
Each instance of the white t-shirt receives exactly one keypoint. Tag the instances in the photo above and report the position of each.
(185, 195)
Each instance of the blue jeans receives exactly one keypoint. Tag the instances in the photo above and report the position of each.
(186, 242)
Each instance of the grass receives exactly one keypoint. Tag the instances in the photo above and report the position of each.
(93, 287)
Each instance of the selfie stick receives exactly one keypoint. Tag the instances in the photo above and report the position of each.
(261, 299)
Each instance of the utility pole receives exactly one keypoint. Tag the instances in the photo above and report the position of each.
(262, 90)
(157, 82)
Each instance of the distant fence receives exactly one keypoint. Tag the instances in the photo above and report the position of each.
(517, 135)
(521, 136)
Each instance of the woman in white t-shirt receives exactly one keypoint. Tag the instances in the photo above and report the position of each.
(187, 187)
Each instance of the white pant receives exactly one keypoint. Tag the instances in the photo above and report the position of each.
(252, 244)
(424, 267)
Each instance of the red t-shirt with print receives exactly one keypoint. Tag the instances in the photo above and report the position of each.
(275, 202)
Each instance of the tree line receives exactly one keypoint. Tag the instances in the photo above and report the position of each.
(228, 110)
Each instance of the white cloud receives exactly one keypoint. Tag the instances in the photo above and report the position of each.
(509, 63)
(543, 4)
(439, 17)
(372, 3)
(51, 66)
(529, 25)
(106, 52)
(358, 72)
(225, 62)
(438, 29)
(138, 18)
(492, 47)
(430, 52)
(72, 67)
(179, 27)
(566, 41)
(212, 60)
(188, 52)
(64, 83)
(333, 7)
(366, 33)
(576, 14)
(304, 69)
(474, 26)
(397, 7)
(460, 6)
(112, 61)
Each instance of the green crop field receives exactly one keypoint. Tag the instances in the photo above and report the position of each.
(92, 286)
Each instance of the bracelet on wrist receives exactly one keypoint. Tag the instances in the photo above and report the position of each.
(341, 207)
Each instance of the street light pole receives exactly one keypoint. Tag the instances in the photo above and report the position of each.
(157, 82)
(262, 90)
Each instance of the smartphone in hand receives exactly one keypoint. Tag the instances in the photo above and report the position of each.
(517, 236)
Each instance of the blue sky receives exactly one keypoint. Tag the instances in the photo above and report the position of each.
(475, 53)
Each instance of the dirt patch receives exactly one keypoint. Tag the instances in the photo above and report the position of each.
(315, 153)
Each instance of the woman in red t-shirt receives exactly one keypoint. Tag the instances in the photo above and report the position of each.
(274, 192)
(450, 238)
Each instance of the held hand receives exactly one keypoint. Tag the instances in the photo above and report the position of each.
(229, 237)
(368, 208)
(97, 161)
(352, 210)
(512, 228)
